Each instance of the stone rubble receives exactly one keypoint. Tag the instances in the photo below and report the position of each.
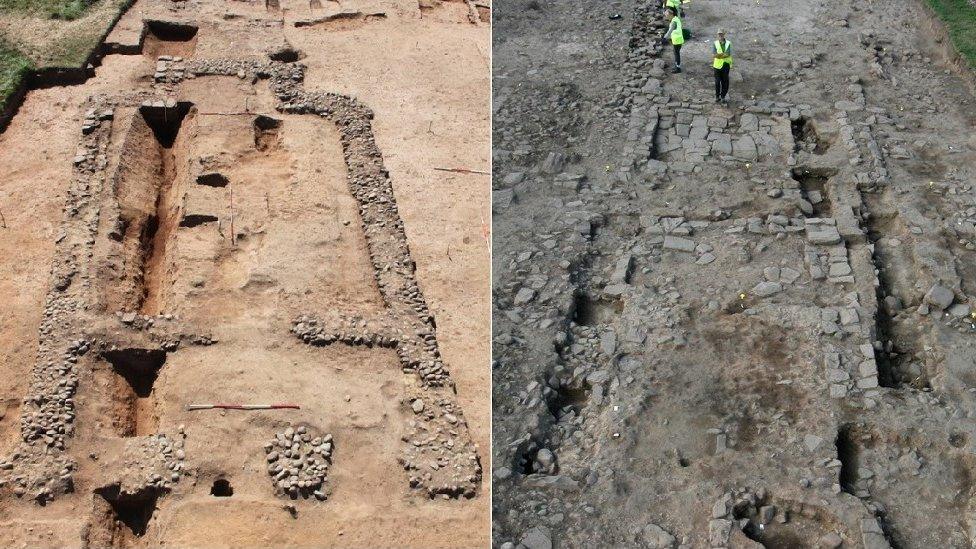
(298, 462)
(778, 266)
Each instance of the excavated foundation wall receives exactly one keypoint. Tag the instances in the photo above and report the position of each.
(111, 340)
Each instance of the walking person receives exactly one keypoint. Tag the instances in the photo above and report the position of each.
(722, 63)
(677, 35)
(676, 5)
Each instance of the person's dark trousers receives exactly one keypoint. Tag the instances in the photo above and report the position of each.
(722, 82)
(677, 55)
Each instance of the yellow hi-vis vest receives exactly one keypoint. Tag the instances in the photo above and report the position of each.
(678, 34)
(722, 48)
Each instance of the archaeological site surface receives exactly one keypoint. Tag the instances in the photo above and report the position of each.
(251, 203)
(744, 325)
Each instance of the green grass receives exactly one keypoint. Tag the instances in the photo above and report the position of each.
(13, 68)
(959, 17)
(57, 9)
(73, 50)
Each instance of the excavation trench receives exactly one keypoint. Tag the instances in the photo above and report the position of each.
(847, 454)
(130, 381)
(267, 133)
(807, 138)
(897, 366)
(212, 180)
(567, 401)
(119, 519)
(590, 311)
(221, 488)
(149, 186)
(168, 38)
(813, 189)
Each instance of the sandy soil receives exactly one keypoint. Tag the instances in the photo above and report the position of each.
(297, 248)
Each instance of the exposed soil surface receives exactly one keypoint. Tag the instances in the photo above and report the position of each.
(242, 209)
(735, 325)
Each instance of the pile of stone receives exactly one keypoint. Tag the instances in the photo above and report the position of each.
(39, 467)
(775, 280)
(298, 462)
(643, 67)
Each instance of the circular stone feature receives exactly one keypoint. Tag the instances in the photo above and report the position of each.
(298, 462)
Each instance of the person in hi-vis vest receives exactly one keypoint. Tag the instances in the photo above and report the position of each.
(676, 4)
(722, 63)
(677, 35)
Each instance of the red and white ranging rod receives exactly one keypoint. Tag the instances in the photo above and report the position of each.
(243, 406)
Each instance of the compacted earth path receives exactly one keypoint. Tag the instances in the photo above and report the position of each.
(733, 325)
(241, 206)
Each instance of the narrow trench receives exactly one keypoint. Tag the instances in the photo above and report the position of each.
(847, 454)
(889, 532)
(133, 375)
(884, 326)
(165, 124)
(813, 189)
(655, 152)
(895, 360)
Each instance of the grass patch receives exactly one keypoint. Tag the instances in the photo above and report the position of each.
(55, 9)
(13, 69)
(959, 17)
(59, 43)
(73, 49)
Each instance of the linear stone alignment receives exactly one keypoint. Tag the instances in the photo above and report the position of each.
(733, 326)
(437, 451)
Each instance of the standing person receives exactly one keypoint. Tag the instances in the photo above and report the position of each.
(677, 35)
(673, 4)
(722, 63)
